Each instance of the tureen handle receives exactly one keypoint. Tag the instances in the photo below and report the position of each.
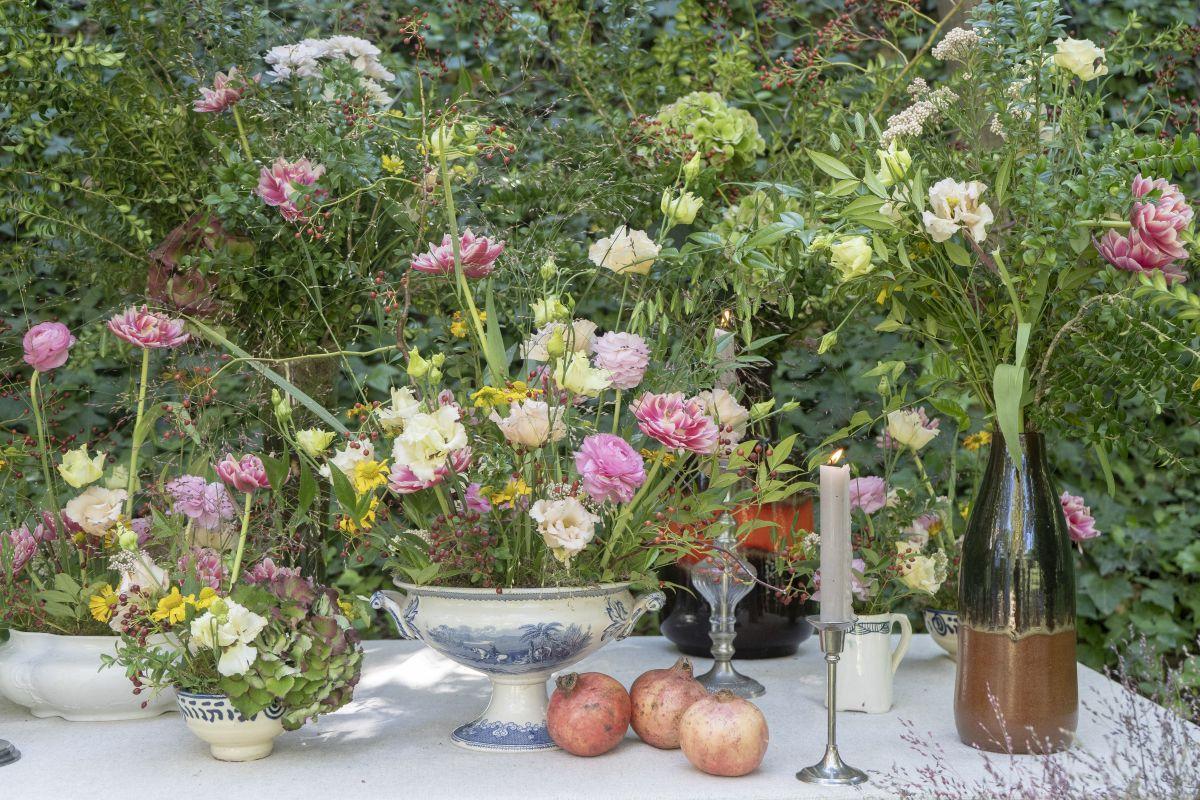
(650, 601)
(400, 608)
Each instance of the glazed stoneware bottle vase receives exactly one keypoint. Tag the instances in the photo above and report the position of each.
(1016, 690)
(517, 638)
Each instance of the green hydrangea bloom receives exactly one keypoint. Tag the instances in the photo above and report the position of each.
(723, 135)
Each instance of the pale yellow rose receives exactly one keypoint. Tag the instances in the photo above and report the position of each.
(1081, 57)
(625, 251)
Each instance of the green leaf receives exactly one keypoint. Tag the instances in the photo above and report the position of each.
(768, 235)
(276, 469)
(1008, 385)
(957, 253)
(831, 166)
(494, 352)
(308, 489)
(343, 490)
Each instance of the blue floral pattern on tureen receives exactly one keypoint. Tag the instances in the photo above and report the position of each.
(528, 648)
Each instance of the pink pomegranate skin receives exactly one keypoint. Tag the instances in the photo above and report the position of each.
(724, 735)
(660, 697)
(588, 714)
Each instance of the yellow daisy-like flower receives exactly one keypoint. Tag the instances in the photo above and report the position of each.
(964, 510)
(490, 396)
(398, 113)
(392, 164)
(346, 607)
(511, 491)
(348, 525)
(976, 441)
(208, 596)
(369, 475)
(665, 456)
(458, 325)
(173, 607)
(101, 605)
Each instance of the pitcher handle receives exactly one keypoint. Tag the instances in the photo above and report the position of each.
(394, 604)
(905, 639)
(650, 601)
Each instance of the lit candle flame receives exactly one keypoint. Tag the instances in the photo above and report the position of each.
(726, 320)
(837, 456)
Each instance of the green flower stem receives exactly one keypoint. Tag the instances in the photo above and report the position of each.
(459, 275)
(622, 520)
(43, 445)
(1121, 224)
(137, 439)
(616, 411)
(241, 548)
(242, 134)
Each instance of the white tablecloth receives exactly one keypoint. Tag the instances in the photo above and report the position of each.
(393, 741)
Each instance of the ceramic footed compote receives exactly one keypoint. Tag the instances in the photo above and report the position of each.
(723, 579)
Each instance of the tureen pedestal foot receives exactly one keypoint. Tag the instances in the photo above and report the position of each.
(515, 719)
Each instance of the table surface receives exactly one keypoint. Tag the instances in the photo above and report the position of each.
(393, 740)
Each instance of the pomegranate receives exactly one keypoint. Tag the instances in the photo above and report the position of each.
(724, 735)
(660, 697)
(588, 714)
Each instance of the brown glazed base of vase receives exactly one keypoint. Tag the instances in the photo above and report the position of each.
(1016, 695)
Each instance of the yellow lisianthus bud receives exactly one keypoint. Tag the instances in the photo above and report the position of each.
(549, 309)
(314, 441)
(680, 209)
(548, 269)
(691, 169)
(418, 367)
(851, 256)
(556, 346)
(893, 164)
(78, 469)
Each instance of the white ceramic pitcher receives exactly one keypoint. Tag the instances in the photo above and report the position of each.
(868, 663)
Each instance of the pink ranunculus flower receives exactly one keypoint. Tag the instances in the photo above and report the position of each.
(148, 329)
(277, 186)
(226, 91)
(858, 583)
(1080, 524)
(403, 480)
(624, 355)
(869, 493)
(204, 564)
(207, 504)
(478, 255)
(46, 345)
(675, 422)
(267, 570)
(245, 475)
(610, 468)
(17, 548)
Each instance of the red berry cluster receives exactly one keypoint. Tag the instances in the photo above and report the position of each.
(463, 542)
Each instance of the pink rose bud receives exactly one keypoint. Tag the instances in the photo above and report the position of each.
(245, 475)
(46, 345)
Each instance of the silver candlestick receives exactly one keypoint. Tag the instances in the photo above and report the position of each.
(831, 770)
(723, 579)
(8, 753)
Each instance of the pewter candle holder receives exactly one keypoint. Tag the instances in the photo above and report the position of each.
(831, 770)
(8, 753)
(723, 579)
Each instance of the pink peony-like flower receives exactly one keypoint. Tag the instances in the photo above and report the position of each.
(17, 548)
(858, 584)
(148, 329)
(1159, 221)
(206, 504)
(675, 422)
(1080, 525)
(624, 355)
(478, 255)
(610, 468)
(475, 501)
(869, 493)
(277, 186)
(204, 564)
(402, 480)
(226, 91)
(245, 475)
(266, 571)
(46, 345)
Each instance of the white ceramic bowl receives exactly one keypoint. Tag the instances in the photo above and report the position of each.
(943, 629)
(63, 676)
(230, 736)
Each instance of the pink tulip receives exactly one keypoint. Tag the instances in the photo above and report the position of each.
(478, 255)
(245, 475)
(1080, 524)
(277, 185)
(226, 91)
(148, 329)
(46, 345)
(17, 548)
(675, 422)
(1136, 255)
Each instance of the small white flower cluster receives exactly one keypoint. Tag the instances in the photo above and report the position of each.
(926, 110)
(302, 60)
(957, 45)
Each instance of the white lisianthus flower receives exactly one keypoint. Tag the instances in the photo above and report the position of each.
(576, 338)
(730, 415)
(680, 209)
(78, 469)
(236, 659)
(918, 572)
(531, 423)
(404, 406)
(893, 164)
(427, 440)
(624, 251)
(907, 428)
(954, 205)
(96, 509)
(851, 256)
(314, 441)
(348, 458)
(565, 525)
(203, 632)
(1081, 57)
(576, 375)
